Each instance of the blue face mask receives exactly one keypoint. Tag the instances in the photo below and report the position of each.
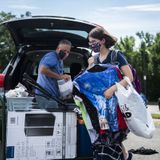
(95, 47)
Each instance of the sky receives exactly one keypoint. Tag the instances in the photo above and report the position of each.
(119, 17)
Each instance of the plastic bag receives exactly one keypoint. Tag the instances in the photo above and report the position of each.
(137, 117)
(19, 91)
(65, 88)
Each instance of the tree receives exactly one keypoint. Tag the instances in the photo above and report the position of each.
(6, 16)
(146, 41)
(27, 14)
(7, 49)
(7, 46)
(145, 59)
(154, 76)
(127, 45)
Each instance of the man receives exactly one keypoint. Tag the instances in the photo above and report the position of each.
(51, 68)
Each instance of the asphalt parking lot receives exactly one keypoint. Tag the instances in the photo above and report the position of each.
(153, 109)
(135, 142)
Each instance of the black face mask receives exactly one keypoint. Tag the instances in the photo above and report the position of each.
(96, 47)
(62, 54)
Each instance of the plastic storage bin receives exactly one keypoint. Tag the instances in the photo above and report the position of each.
(19, 103)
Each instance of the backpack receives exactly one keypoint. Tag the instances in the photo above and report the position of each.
(136, 81)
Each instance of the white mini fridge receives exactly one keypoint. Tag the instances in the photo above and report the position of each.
(41, 135)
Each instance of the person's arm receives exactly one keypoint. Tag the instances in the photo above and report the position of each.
(46, 71)
(126, 71)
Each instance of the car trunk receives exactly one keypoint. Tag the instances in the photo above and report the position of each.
(47, 31)
(35, 36)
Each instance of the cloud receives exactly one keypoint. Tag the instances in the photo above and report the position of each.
(142, 8)
(25, 7)
(119, 21)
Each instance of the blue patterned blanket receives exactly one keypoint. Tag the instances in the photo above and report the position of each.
(93, 85)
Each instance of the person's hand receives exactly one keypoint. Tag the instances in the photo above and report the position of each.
(66, 77)
(90, 61)
(108, 93)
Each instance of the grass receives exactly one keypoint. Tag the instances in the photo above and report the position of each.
(156, 116)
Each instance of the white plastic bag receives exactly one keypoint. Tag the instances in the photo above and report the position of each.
(137, 117)
(19, 91)
(65, 88)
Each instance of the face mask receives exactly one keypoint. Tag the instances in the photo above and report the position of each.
(95, 47)
(62, 54)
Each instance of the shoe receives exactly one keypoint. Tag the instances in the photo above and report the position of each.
(143, 151)
(130, 156)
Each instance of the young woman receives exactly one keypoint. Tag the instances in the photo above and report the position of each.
(101, 41)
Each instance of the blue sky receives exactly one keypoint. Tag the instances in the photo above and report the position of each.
(119, 17)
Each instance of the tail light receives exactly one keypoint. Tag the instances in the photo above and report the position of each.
(2, 77)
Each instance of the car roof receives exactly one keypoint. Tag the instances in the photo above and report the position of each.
(49, 30)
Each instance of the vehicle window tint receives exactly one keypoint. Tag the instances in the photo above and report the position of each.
(7, 47)
(74, 64)
(33, 32)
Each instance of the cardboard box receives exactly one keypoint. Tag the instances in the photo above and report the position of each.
(41, 135)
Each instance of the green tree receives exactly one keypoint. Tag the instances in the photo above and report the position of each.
(154, 76)
(27, 14)
(127, 45)
(6, 16)
(145, 58)
(7, 49)
(146, 41)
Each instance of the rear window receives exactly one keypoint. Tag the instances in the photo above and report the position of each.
(43, 32)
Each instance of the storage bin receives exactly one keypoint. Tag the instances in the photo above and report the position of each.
(19, 103)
